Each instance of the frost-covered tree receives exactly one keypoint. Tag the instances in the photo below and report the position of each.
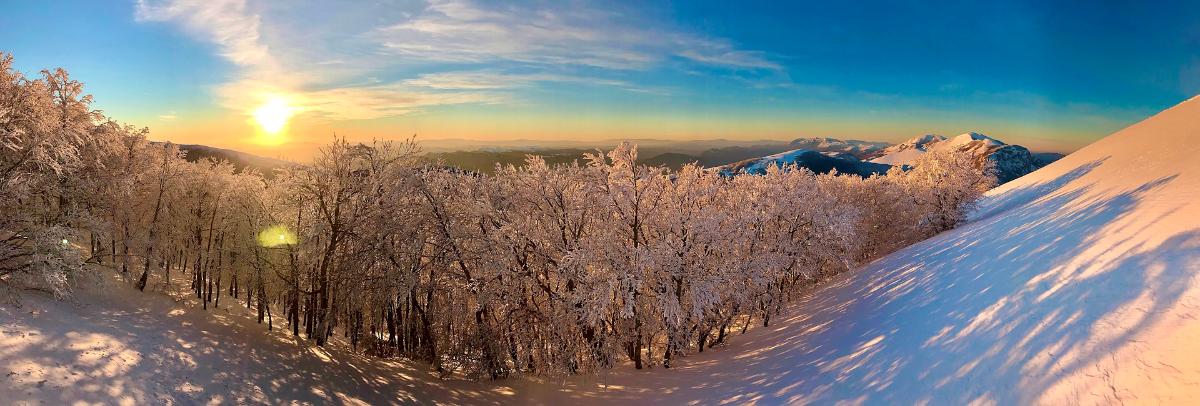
(46, 124)
(946, 185)
(534, 269)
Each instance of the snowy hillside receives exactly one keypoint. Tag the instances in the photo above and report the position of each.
(1076, 284)
(1011, 161)
(818, 162)
(116, 345)
(865, 158)
(856, 148)
(906, 151)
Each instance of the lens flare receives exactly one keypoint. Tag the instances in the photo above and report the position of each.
(276, 236)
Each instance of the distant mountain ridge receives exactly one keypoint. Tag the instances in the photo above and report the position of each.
(816, 161)
(864, 158)
(240, 160)
(1011, 161)
(818, 154)
(857, 148)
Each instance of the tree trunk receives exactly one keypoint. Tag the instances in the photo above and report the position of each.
(720, 335)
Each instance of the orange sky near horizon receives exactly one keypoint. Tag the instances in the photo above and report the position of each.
(304, 134)
(1051, 78)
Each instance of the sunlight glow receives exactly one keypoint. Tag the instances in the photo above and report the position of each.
(273, 115)
(276, 236)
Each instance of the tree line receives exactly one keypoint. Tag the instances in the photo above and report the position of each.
(534, 269)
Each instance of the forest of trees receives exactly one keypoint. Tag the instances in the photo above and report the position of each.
(534, 269)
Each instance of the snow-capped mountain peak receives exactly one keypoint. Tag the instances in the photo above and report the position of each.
(859, 149)
(822, 154)
(816, 161)
(920, 142)
(969, 137)
(1011, 161)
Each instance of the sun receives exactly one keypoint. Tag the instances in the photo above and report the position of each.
(273, 115)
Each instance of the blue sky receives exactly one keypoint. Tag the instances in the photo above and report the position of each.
(1051, 75)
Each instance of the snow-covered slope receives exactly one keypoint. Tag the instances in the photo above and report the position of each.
(819, 162)
(858, 148)
(116, 345)
(1078, 283)
(1011, 161)
(907, 151)
(1074, 284)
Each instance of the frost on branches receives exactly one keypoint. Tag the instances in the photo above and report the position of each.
(54, 152)
(535, 269)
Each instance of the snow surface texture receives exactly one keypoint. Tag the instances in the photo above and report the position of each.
(1074, 284)
(121, 346)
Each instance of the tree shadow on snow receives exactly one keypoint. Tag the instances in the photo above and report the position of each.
(149, 350)
(1001, 309)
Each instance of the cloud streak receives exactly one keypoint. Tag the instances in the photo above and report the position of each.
(490, 80)
(226, 23)
(442, 53)
(461, 31)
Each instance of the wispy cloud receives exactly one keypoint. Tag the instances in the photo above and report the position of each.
(236, 30)
(722, 53)
(168, 117)
(444, 52)
(226, 23)
(367, 102)
(458, 31)
(570, 34)
(490, 80)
